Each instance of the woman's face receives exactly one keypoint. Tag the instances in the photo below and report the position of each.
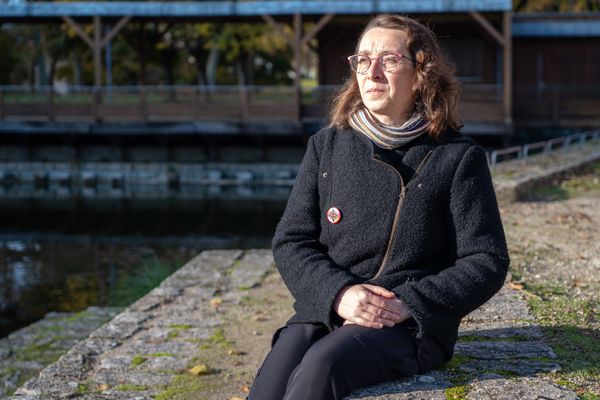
(388, 96)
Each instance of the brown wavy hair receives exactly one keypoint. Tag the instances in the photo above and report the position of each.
(436, 91)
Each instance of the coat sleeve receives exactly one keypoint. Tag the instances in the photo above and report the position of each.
(481, 257)
(302, 260)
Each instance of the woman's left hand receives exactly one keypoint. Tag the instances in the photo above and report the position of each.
(370, 306)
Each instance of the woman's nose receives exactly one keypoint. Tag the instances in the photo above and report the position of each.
(375, 70)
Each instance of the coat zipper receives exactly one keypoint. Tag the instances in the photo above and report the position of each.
(398, 211)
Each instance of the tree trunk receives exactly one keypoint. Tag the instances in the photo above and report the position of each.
(211, 66)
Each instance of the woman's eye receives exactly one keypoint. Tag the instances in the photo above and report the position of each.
(363, 61)
(391, 61)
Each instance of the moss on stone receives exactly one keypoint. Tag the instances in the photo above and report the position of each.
(180, 326)
(173, 334)
(131, 387)
(456, 392)
(137, 360)
(218, 338)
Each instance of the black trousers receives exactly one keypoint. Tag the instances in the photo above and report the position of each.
(308, 362)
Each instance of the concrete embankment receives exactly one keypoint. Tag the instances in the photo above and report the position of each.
(203, 332)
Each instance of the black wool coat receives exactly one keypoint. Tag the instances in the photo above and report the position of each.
(436, 241)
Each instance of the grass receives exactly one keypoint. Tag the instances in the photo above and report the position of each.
(182, 387)
(136, 282)
(130, 387)
(569, 322)
(587, 180)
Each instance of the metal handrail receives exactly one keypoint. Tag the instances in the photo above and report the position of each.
(524, 152)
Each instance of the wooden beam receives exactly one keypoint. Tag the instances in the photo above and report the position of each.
(508, 66)
(325, 19)
(271, 21)
(113, 32)
(488, 27)
(97, 51)
(298, 64)
(80, 32)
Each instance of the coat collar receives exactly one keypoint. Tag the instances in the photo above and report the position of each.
(416, 149)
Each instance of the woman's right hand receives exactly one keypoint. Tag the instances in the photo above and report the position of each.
(370, 306)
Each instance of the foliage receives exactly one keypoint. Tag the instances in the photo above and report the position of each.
(134, 283)
(147, 53)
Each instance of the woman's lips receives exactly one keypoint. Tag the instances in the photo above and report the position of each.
(375, 92)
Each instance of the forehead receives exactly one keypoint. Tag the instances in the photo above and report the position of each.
(378, 40)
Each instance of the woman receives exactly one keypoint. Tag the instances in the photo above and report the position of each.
(392, 232)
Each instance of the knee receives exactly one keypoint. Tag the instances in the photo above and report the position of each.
(321, 362)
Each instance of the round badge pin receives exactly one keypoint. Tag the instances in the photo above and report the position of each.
(334, 215)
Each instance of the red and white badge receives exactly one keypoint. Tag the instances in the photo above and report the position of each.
(334, 215)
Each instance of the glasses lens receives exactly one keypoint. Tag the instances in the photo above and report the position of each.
(360, 64)
(391, 63)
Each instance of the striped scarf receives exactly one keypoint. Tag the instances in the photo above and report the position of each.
(386, 136)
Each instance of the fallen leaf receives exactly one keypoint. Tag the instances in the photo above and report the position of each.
(216, 302)
(516, 286)
(235, 352)
(245, 389)
(235, 398)
(103, 387)
(200, 369)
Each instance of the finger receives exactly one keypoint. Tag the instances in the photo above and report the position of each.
(381, 291)
(382, 313)
(373, 320)
(367, 323)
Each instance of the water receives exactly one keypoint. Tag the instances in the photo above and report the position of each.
(67, 253)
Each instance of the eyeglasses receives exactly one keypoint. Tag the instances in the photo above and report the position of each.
(390, 62)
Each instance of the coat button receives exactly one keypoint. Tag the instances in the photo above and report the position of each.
(325, 174)
(334, 215)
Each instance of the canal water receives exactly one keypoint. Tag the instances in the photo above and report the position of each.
(63, 252)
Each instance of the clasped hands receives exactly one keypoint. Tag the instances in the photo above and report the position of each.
(370, 306)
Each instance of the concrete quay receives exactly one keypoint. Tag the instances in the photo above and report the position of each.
(203, 332)
(183, 340)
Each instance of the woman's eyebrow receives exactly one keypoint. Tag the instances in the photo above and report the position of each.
(368, 52)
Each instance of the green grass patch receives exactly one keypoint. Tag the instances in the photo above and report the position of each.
(180, 326)
(137, 360)
(133, 283)
(456, 392)
(173, 334)
(218, 338)
(182, 387)
(82, 388)
(475, 338)
(160, 355)
(566, 322)
(585, 181)
(130, 387)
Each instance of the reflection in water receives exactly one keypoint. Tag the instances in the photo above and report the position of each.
(67, 253)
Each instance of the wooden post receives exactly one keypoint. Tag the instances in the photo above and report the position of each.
(144, 103)
(51, 113)
(97, 51)
(244, 103)
(298, 64)
(508, 81)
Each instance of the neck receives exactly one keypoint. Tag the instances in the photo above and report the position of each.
(398, 119)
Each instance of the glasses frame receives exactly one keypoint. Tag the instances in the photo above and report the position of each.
(379, 60)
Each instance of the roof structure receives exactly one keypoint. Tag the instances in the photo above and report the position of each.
(556, 25)
(22, 9)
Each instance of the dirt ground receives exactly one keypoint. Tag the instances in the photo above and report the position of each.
(554, 241)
